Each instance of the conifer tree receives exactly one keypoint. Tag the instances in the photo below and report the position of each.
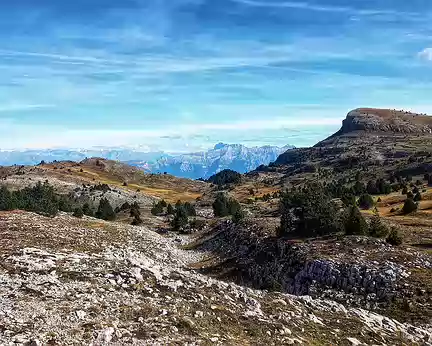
(355, 224)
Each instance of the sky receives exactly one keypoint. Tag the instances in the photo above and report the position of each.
(179, 75)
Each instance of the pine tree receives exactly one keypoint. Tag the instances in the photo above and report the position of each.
(308, 212)
(220, 206)
(180, 219)
(190, 209)
(157, 209)
(5, 199)
(355, 224)
(170, 209)
(105, 210)
(376, 228)
(87, 210)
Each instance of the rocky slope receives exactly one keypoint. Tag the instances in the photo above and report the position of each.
(101, 283)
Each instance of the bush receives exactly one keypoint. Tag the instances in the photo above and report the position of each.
(365, 201)
(394, 238)
(78, 212)
(197, 224)
(376, 228)
(135, 211)
(355, 224)
(409, 206)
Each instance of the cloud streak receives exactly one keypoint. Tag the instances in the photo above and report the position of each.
(320, 8)
(425, 54)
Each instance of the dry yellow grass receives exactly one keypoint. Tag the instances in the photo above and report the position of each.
(165, 187)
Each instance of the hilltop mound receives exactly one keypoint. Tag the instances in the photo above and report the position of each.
(385, 120)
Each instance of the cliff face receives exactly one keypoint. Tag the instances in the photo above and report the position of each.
(385, 120)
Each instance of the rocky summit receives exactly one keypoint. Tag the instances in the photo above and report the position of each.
(328, 245)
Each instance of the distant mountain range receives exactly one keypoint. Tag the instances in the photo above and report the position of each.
(206, 163)
(191, 165)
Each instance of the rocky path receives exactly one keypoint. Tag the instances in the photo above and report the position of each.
(65, 281)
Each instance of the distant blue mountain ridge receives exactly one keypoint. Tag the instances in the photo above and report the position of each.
(195, 165)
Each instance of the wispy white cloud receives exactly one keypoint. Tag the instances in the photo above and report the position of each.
(19, 107)
(426, 54)
(318, 8)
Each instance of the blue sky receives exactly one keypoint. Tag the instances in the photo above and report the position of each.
(181, 75)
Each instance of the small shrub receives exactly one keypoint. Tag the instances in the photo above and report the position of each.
(238, 216)
(409, 207)
(394, 238)
(365, 201)
(78, 212)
